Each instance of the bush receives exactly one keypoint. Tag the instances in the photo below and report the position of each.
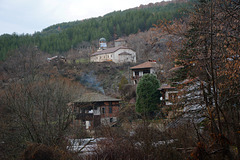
(42, 152)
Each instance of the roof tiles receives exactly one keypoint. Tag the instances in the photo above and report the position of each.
(95, 97)
(147, 64)
(109, 50)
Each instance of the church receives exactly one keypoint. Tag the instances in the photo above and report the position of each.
(118, 54)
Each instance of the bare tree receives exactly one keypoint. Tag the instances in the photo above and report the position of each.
(35, 104)
(211, 52)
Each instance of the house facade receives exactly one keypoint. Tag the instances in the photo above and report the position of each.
(169, 95)
(149, 67)
(117, 54)
(94, 109)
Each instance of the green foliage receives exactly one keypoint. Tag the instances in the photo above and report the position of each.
(61, 37)
(147, 95)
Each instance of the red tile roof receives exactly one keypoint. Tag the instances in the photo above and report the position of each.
(176, 68)
(147, 64)
(186, 81)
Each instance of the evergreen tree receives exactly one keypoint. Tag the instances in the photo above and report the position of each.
(147, 95)
(120, 23)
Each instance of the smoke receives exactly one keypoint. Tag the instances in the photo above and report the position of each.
(89, 80)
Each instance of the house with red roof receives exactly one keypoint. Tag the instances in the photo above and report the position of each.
(149, 67)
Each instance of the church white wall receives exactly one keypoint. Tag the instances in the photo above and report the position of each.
(115, 57)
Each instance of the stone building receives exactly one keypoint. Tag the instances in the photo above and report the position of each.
(118, 54)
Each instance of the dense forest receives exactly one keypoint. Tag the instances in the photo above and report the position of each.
(62, 37)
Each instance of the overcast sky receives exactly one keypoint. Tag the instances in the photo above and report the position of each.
(28, 16)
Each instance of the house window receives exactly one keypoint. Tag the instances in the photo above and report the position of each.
(111, 119)
(136, 73)
(146, 71)
(103, 110)
(74, 109)
(172, 96)
(135, 81)
(110, 109)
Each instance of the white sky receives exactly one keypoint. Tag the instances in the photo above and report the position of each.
(28, 16)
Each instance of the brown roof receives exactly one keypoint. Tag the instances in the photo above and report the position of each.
(176, 68)
(109, 50)
(165, 86)
(145, 65)
(186, 81)
(95, 97)
(119, 40)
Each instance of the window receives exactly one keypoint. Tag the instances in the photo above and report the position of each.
(172, 96)
(110, 109)
(146, 71)
(135, 81)
(111, 119)
(103, 110)
(136, 73)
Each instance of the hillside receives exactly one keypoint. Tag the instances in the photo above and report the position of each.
(62, 37)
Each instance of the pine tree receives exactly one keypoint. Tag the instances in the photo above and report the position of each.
(147, 95)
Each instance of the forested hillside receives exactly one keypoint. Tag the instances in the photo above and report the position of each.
(61, 37)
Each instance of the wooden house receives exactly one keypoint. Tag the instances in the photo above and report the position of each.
(94, 109)
(169, 95)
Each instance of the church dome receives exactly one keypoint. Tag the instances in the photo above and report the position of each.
(102, 43)
(102, 40)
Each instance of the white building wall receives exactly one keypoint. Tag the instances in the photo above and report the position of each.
(125, 58)
(152, 71)
(96, 111)
(106, 120)
(88, 124)
(115, 57)
(169, 92)
(133, 73)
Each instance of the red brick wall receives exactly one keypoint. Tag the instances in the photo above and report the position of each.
(115, 109)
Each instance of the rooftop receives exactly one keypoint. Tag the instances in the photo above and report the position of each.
(187, 81)
(109, 50)
(148, 64)
(102, 39)
(119, 40)
(175, 68)
(166, 86)
(95, 97)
